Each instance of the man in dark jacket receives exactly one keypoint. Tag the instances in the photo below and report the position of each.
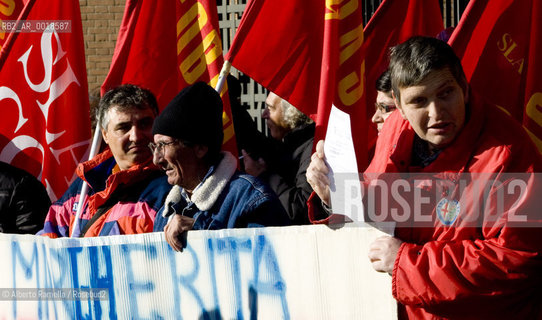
(208, 192)
(23, 201)
(288, 156)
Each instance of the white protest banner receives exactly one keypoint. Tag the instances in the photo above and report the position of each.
(299, 272)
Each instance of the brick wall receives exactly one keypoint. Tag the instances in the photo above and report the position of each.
(101, 22)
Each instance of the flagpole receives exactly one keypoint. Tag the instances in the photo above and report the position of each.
(223, 76)
(96, 141)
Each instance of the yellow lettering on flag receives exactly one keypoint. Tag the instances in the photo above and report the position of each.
(195, 14)
(7, 7)
(338, 10)
(212, 47)
(533, 108)
(533, 111)
(228, 129)
(353, 41)
(351, 87)
(2, 34)
(506, 46)
(214, 82)
(189, 26)
(537, 142)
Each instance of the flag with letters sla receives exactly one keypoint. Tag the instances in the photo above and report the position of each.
(499, 44)
(310, 55)
(45, 123)
(165, 46)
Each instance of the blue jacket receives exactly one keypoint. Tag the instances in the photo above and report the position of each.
(127, 200)
(226, 198)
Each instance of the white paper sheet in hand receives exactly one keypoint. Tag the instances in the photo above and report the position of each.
(346, 196)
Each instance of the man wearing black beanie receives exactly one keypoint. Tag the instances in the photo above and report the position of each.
(209, 192)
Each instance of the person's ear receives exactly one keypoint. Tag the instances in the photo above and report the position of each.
(200, 150)
(398, 105)
(104, 135)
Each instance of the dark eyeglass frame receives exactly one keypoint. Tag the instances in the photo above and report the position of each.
(160, 145)
(385, 108)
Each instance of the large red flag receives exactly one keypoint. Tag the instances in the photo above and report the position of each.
(9, 11)
(309, 55)
(498, 42)
(146, 53)
(45, 123)
(167, 45)
(394, 22)
(279, 44)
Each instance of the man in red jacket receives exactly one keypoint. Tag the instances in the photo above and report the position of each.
(471, 250)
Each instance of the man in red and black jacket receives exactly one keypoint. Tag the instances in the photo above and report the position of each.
(126, 189)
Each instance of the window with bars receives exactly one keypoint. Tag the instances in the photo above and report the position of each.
(252, 94)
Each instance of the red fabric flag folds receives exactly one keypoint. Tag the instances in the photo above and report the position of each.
(165, 46)
(498, 42)
(146, 51)
(45, 123)
(279, 44)
(394, 22)
(309, 56)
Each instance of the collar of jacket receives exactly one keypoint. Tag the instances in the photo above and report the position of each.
(209, 190)
(97, 173)
(299, 135)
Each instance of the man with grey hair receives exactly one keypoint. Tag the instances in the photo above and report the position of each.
(294, 132)
(125, 188)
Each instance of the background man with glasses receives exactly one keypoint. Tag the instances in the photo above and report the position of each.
(125, 188)
(384, 104)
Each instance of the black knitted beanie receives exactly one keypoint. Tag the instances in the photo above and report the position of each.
(193, 116)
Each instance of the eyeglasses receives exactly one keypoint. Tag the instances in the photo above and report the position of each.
(385, 108)
(160, 146)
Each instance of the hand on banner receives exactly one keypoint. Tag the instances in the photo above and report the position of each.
(317, 174)
(253, 167)
(383, 252)
(175, 230)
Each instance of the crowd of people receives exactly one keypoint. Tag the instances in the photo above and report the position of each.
(167, 172)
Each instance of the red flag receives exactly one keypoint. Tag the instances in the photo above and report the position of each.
(394, 22)
(146, 53)
(308, 55)
(9, 11)
(498, 42)
(45, 123)
(167, 45)
(279, 44)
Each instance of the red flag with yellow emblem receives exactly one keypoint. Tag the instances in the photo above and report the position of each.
(499, 44)
(394, 22)
(309, 56)
(165, 46)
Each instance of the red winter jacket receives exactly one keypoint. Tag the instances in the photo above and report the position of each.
(488, 268)
(128, 199)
